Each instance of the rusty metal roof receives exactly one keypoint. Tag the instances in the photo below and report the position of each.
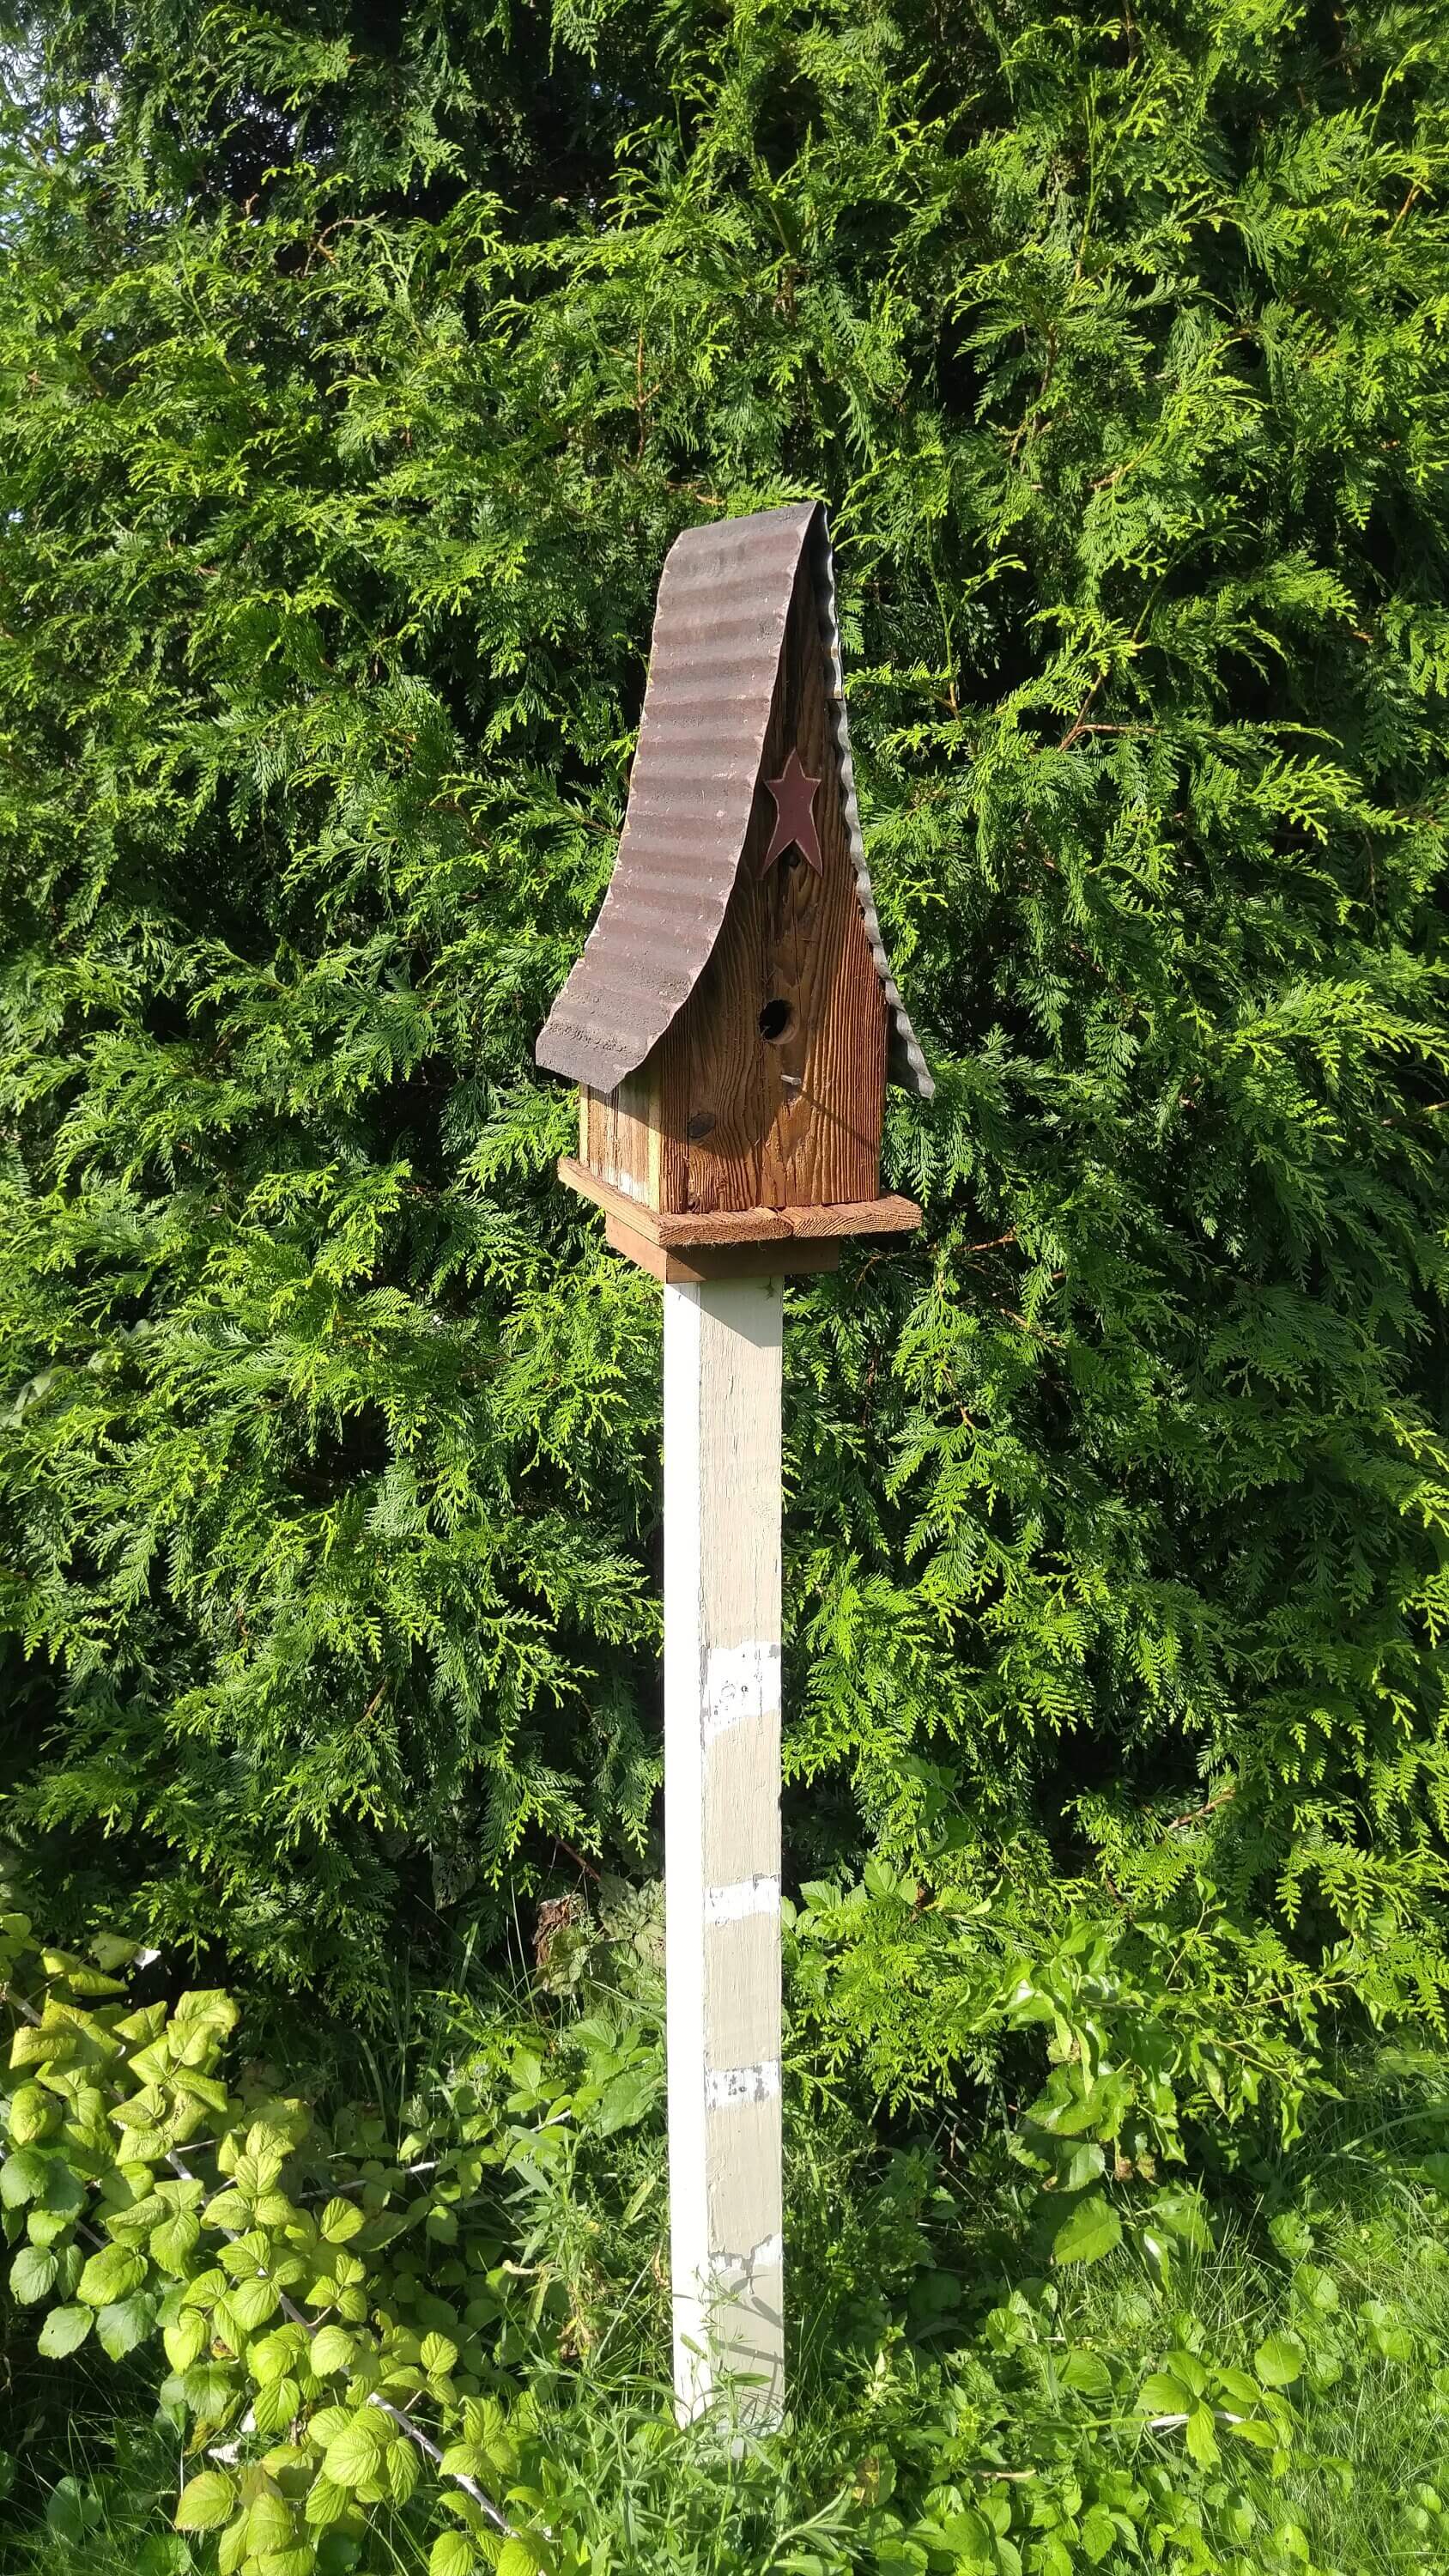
(719, 629)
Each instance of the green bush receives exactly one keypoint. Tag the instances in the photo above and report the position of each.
(359, 367)
(433, 2335)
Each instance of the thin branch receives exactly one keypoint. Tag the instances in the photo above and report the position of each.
(579, 1861)
(1196, 1814)
(1080, 725)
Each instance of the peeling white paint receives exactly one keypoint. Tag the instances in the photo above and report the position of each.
(726, 2086)
(743, 1897)
(739, 1682)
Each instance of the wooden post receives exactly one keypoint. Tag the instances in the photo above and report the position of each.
(722, 1369)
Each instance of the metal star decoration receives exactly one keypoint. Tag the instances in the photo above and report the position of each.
(794, 795)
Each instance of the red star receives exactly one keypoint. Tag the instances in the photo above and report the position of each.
(794, 795)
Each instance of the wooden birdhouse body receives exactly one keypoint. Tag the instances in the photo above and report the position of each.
(737, 959)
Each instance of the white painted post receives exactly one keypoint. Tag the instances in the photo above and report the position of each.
(722, 1366)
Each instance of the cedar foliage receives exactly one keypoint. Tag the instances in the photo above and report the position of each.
(359, 368)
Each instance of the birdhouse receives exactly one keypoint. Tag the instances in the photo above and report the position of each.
(733, 1018)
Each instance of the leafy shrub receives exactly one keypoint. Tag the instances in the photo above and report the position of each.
(374, 2341)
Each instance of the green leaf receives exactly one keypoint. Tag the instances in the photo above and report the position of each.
(205, 2289)
(33, 2274)
(626, 2100)
(187, 2339)
(63, 2331)
(521, 2555)
(404, 2468)
(71, 2512)
(452, 2554)
(23, 2177)
(328, 2422)
(970, 2537)
(352, 2459)
(64, 2189)
(1279, 2360)
(111, 2275)
(269, 2522)
(1085, 2164)
(31, 2111)
(437, 2354)
(274, 2405)
(341, 2220)
(210, 2392)
(206, 2502)
(1087, 2373)
(326, 2502)
(1200, 2437)
(121, 2327)
(1091, 2230)
(47, 2227)
(1186, 2367)
(332, 2349)
(1099, 2533)
(173, 2242)
(273, 2355)
(231, 2548)
(1163, 2394)
(1252, 2429)
(252, 2302)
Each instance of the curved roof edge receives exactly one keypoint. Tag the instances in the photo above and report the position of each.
(719, 630)
(906, 1064)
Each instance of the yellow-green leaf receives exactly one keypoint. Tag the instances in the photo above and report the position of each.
(452, 2554)
(1279, 2360)
(353, 2457)
(111, 2275)
(206, 2503)
(64, 2330)
(332, 2349)
(522, 2555)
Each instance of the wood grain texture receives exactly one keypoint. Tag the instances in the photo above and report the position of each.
(619, 1135)
(751, 1123)
(725, 1226)
(870, 1216)
(694, 1263)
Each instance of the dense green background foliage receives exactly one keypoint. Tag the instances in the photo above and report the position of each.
(359, 368)
(359, 365)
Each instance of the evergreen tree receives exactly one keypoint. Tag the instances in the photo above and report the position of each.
(359, 367)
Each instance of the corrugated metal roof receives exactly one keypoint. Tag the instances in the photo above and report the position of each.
(719, 629)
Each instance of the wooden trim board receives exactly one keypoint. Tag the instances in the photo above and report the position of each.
(740, 1226)
(700, 1262)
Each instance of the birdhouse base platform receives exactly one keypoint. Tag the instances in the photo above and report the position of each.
(734, 1243)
